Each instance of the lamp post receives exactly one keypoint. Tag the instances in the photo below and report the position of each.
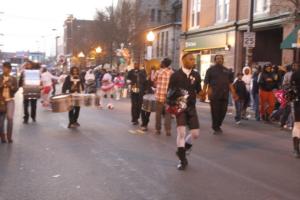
(98, 52)
(81, 56)
(249, 50)
(150, 38)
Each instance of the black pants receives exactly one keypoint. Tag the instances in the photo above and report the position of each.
(32, 103)
(136, 106)
(145, 118)
(74, 114)
(218, 112)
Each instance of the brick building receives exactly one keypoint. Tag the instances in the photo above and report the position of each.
(164, 19)
(78, 36)
(216, 27)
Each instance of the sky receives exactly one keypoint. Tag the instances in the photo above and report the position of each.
(28, 24)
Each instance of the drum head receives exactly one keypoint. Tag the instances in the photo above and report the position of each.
(62, 96)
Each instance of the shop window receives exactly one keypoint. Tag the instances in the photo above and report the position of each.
(167, 44)
(222, 10)
(159, 15)
(261, 6)
(195, 10)
(152, 15)
(162, 44)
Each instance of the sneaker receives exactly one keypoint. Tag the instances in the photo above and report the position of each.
(72, 126)
(157, 132)
(76, 124)
(238, 122)
(296, 154)
(135, 123)
(144, 128)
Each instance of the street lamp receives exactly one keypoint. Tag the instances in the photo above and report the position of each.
(81, 55)
(98, 52)
(150, 38)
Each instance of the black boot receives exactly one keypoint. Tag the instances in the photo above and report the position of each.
(296, 147)
(188, 148)
(183, 161)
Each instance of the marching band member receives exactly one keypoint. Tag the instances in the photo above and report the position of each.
(188, 80)
(46, 79)
(136, 79)
(29, 65)
(107, 90)
(119, 82)
(72, 85)
(295, 82)
(8, 88)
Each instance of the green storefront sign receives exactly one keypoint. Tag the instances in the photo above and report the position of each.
(206, 42)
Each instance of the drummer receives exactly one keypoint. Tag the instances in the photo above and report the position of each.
(28, 65)
(73, 84)
(145, 114)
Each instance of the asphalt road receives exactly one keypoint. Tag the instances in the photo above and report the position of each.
(106, 159)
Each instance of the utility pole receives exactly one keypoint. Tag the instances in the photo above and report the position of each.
(249, 50)
(112, 34)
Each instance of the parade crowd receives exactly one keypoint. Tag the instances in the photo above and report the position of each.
(272, 93)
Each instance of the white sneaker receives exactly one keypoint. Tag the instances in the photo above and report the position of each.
(238, 122)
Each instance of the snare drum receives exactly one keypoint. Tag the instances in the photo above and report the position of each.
(91, 100)
(85, 100)
(149, 103)
(61, 103)
(77, 100)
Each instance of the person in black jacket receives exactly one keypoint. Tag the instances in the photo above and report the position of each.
(136, 78)
(217, 84)
(145, 114)
(295, 82)
(255, 91)
(242, 93)
(28, 100)
(188, 80)
(73, 84)
(8, 88)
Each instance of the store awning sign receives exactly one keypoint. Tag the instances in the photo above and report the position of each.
(205, 42)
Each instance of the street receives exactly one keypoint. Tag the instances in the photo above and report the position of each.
(107, 159)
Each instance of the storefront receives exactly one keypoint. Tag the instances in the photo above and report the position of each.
(205, 47)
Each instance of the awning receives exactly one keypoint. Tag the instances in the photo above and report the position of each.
(206, 42)
(290, 41)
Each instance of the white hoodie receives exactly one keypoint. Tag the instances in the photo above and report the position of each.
(247, 78)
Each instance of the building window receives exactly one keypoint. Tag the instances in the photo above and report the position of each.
(152, 16)
(261, 6)
(195, 13)
(222, 11)
(157, 45)
(167, 44)
(162, 44)
(159, 15)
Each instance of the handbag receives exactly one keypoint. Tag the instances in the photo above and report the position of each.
(2, 104)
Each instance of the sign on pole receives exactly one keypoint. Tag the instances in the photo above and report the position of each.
(249, 39)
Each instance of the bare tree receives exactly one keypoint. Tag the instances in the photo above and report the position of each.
(124, 25)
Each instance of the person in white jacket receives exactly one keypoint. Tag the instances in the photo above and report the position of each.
(247, 78)
(46, 79)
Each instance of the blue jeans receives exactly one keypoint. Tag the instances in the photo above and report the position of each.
(256, 106)
(239, 105)
(9, 115)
